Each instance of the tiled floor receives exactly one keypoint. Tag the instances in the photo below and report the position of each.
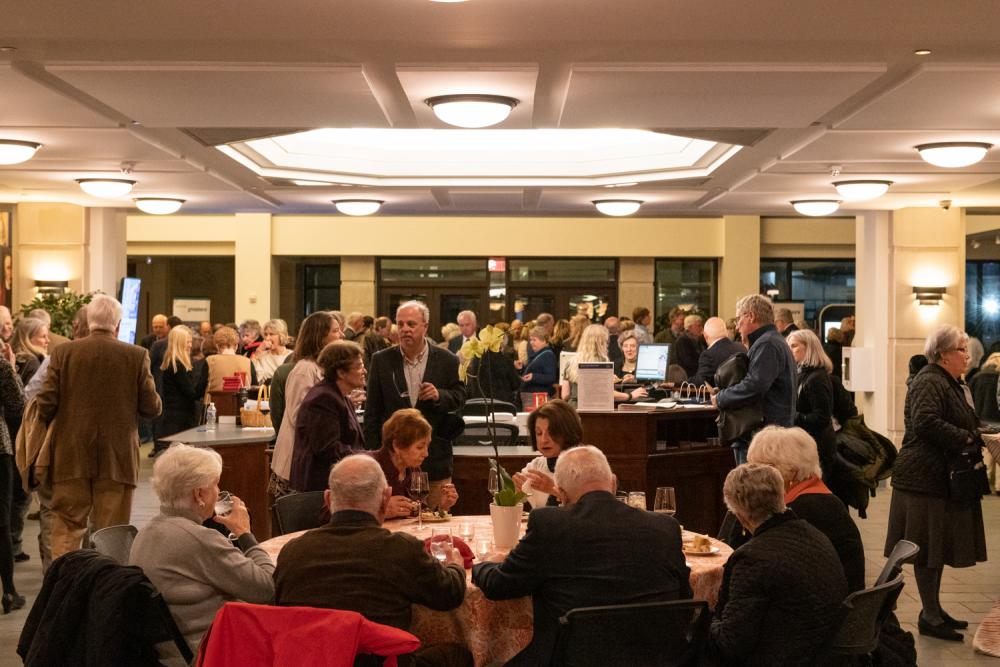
(965, 593)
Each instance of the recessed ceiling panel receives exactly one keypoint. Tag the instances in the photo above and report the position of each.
(860, 147)
(28, 104)
(518, 82)
(710, 96)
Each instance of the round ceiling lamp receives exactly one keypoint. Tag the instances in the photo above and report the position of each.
(358, 206)
(617, 207)
(158, 205)
(816, 207)
(13, 151)
(471, 111)
(861, 190)
(106, 188)
(953, 154)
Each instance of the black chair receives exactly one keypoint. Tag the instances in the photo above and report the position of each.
(170, 625)
(481, 407)
(864, 613)
(903, 552)
(477, 434)
(639, 635)
(298, 511)
(115, 542)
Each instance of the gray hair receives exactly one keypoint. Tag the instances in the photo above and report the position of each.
(692, 319)
(466, 313)
(941, 340)
(756, 491)
(41, 314)
(103, 313)
(757, 305)
(976, 353)
(419, 305)
(785, 315)
(580, 466)
(791, 450)
(815, 355)
(357, 483)
(182, 469)
(279, 327)
(250, 325)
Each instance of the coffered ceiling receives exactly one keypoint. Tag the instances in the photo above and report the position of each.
(805, 87)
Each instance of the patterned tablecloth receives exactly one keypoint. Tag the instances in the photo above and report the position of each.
(497, 631)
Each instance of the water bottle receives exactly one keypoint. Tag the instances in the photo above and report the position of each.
(211, 417)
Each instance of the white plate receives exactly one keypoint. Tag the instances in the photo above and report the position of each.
(714, 550)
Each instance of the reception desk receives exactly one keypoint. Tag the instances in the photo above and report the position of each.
(646, 448)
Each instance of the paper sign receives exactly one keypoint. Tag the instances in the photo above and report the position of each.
(595, 386)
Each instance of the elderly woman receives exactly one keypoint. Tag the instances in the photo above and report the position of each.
(406, 435)
(814, 400)
(940, 425)
(541, 373)
(781, 592)
(553, 427)
(196, 568)
(250, 338)
(30, 343)
(793, 452)
(326, 428)
(628, 341)
(226, 363)
(593, 347)
(271, 352)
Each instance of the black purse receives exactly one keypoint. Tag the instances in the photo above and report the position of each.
(736, 423)
(967, 479)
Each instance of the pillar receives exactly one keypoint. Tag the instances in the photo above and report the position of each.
(739, 266)
(254, 268)
(357, 286)
(635, 284)
(107, 250)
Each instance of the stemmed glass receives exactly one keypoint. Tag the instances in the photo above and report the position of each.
(666, 501)
(420, 488)
(493, 483)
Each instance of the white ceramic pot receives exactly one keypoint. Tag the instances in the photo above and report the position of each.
(506, 525)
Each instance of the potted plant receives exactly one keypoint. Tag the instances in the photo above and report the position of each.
(508, 502)
(61, 308)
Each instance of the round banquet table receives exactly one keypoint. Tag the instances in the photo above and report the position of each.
(496, 631)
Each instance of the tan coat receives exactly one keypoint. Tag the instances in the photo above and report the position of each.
(96, 389)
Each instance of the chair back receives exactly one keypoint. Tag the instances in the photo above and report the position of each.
(474, 434)
(298, 511)
(864, 613)
(115, 542)
(170, 625)
(640, 635)
(481, 407)
(903, 552)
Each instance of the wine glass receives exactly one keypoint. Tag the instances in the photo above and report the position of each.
(420, 488)
(637, 499)
(493, 484)
(666, 500)
(441, 543)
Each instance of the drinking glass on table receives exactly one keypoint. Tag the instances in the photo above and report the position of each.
(665, 501)
(637, 499)
(493, 483)
(441, 543)
(484, 547)
(466, 531)
(420, 488)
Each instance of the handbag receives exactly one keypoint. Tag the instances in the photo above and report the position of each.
(736, 424)
(967, 479)
(256, 417)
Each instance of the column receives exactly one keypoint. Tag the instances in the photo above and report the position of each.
(739, 268)
(357, 286)
(254, 268)
(635, 284)
(106, 250)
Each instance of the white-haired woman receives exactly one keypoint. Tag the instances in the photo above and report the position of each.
(30, 344)
(940, 426)
(195, 567)
(793, 452)
(814, 398)
(272, 351)
(593, 347)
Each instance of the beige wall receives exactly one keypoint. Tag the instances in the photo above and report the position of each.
(50, 243)
(814, 238)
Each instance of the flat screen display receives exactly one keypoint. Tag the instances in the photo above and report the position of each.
(651, 366)
(128, 294)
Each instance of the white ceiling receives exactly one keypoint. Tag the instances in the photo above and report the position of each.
(814, 84)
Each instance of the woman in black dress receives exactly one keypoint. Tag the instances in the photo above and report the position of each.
(180, 400)
(814, 402)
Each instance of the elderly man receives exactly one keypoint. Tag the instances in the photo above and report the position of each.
(591, 551)
(720, 347)
(354, 563)
(158, 330)
(770, 379)
(689, 345)
(355, 326)
(676, 328)
(784, 321)
(781, 592)
(467, 327)
(95, 391)
(418, 375)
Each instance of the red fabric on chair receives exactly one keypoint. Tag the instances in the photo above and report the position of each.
(244, 635)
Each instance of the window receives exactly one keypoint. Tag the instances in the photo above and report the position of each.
(321, 287)
(689, 283)
(561, 286)
(813, 282)
(403, 270)
(982, 301)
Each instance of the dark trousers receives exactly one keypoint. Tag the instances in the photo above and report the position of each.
(7, 475)
(18, 510)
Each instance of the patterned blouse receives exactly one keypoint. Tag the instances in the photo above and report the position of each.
(11, 402)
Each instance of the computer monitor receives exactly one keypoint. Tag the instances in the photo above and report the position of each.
(128, 295)
(651, 366)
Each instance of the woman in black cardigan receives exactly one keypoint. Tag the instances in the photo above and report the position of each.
(814, 403)
(180, 399)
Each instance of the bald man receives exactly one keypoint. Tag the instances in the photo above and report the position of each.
(158, 330)
(720, 348)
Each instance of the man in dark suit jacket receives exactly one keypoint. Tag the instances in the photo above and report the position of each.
(591, 551)
(415, 374)
(720, 348)
(689, 345)
(784, 321)
(467, 326)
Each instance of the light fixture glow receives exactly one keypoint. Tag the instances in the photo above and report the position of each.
(471, 111)
(358, 206)
(953, 154)
(929, 296)
(861, 190)
(617, 207)
(106, 188)
(816, 207)
(621, 185)
(991, 306)
(158, 205)
(15, 152)
(917, 52)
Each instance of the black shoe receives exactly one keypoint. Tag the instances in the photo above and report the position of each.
(21, 557)
(12, 601)
(942, 630)
(952, 622)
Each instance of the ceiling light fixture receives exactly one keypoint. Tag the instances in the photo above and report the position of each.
(158, 205)
(358, 206)
(621, 185)
(953, 154)
(471, 111)
(13, 151)
(861, 190)
(106, 188)
(917, 52)
(816, 207)
(617, 207)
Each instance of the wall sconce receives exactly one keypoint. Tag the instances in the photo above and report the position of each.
(929, 296)
(51, 286)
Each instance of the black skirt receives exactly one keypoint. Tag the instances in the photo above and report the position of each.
(947, 533)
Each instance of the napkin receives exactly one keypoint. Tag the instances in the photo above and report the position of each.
(467, 556)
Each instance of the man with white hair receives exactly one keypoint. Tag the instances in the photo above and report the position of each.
(689, 345)
(467, 324)
(94, 393)
(720, 347)
(593, 550)
(355, 326)
(354, 563)
(784, 321)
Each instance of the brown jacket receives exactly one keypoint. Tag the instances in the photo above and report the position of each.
(96, 389)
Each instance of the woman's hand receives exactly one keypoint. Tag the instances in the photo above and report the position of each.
(399, 506)
(628, 378)
(519, 479)
(518, 364)
(449, 496)
(527, 377)
(238, 520)
(639, 393)
(541, 482)
(8, 354)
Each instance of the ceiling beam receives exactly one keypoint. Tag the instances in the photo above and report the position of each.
(551, 89)
(389, 94)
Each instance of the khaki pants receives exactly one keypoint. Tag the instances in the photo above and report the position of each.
(103, 501)
(434, 497)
